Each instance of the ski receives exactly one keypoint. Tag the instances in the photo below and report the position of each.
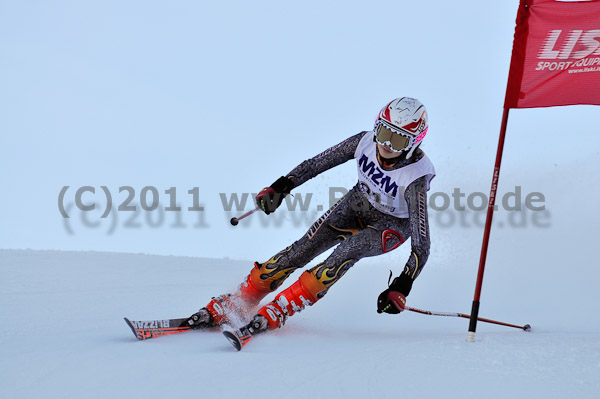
(147, 329)
(238, 338)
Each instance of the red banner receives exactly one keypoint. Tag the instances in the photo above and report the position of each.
(556, 54)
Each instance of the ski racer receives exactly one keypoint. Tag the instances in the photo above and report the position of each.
(386, 207)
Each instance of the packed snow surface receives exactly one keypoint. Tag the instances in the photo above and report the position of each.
(63, 336)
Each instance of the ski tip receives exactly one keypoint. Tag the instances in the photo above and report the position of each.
(238, 338)
(233, 340)
(130, 324)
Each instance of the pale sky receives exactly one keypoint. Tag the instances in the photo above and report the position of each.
(228, 96)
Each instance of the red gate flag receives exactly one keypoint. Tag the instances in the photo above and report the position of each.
(556, 55)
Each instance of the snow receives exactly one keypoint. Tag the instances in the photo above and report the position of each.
(111, 94)
(64, 336)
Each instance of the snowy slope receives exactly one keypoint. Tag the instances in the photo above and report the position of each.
(63, 337)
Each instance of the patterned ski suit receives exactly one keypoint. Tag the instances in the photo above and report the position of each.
(354, 225)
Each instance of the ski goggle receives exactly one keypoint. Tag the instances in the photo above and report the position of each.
(396, 140)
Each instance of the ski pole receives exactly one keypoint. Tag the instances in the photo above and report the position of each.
(526, 327)
(234, 221)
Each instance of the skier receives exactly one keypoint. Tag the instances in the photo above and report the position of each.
(386, 207)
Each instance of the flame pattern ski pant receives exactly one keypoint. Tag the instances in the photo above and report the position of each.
(358, 230)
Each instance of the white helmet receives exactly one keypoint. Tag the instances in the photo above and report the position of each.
(401, 125)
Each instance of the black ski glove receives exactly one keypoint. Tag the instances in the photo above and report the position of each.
(393, 299)
(269, 198)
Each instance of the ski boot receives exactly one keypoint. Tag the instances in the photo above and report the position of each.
(214, 314)
(304, 292)
(200, 319)
(240, 337)
(234, 308)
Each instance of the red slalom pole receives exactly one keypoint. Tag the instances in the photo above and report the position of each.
(488, 226)
(526, 327)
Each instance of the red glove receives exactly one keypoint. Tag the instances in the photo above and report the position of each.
(391, 302)
(393, 299)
